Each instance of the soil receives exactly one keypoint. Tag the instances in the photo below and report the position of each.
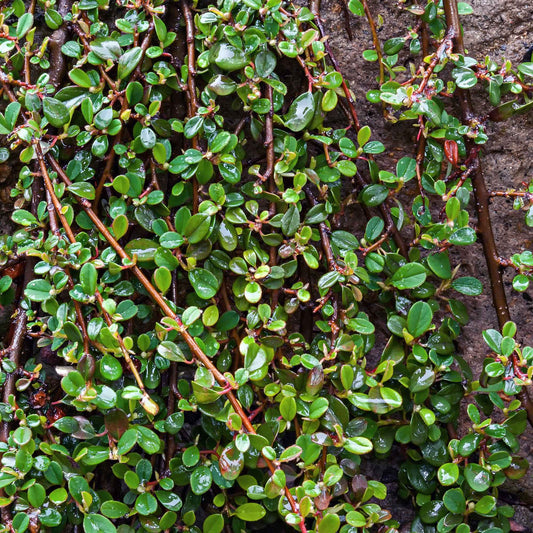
(502, 30)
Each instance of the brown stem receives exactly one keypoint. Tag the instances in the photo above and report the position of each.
(15, 350)
(110, 159)
(149, 405)
(315, 9)
(83, 38)
(269, 176)
(79, 315)
(459, 184)
(445, 47)
(5, 81)
(324, 237)
(528, 196)
(16, 345)
(57, 40)
(144, 46)
(375, 40)
(379, 242)
(420, 157)
(191, 86)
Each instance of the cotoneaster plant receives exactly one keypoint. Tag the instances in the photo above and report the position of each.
(201, 341)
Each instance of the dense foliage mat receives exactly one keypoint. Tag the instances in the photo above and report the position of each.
(226, 303)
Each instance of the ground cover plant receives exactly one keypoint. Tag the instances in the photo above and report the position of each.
(225, 305)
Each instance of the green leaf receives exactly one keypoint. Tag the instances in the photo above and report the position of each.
(148, 440)
(56, 112)
(214, 523)
(36, 495)
(287, 408)
(485, 505)
(440, 265)
(127, 441)
(197, 228)
(144, 249)
(526, 68)
(494, 339)
(356, 7)
(134, 92)
(147, 138)
(374, 195)
(454, 501)
(421, 379)
(128, 61)
(23, 217)
(253, 292)
(464, 8)
(107, 48)
(290, 221)
(110, 368)
(448, 474)
(468, 285)
(146, 504)
(300, 112)
(464, 77)
(103, 118)
(120, 225)
(520, 283)
(329, 524)
(83, 189)
(81, 78)
(265, 63)
(393, 46)
(204, 283)
(191, 456)
(88, 278)
(113, 509)
(169, 350)
(358, 445)
(227, 57)
(95, 523)
(409, 276)
(24, 25)
(162, 279)
(250, 512)
(419, 318)
(201, 480)
(38, 290)
(374, 147)
(477, 477)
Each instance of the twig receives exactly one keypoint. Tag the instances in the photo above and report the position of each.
(79, 315)
(445, 47)
(191, 86)
(420, 157)
(110, 159)
(324, 236)
(460, 183)
(375, 40)
(146, 401)
(57, 40)
(315, 9)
